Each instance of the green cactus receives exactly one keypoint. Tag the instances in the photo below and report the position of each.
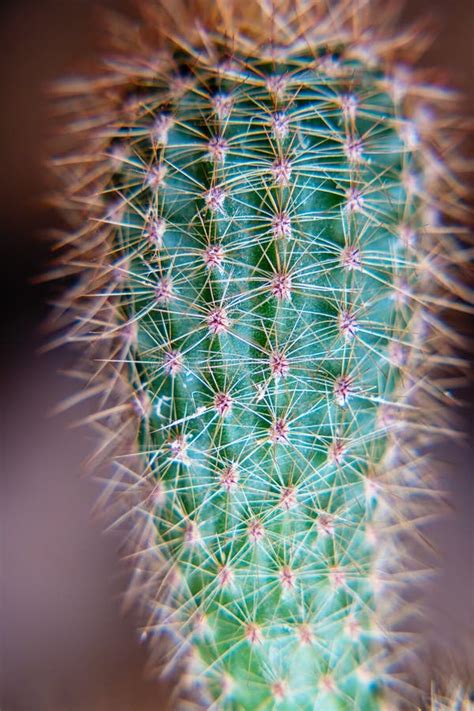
(259, 239)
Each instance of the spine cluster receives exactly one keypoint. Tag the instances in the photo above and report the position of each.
(261, 253)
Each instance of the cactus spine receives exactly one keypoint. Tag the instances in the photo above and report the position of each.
(257, 213)
(456, 699)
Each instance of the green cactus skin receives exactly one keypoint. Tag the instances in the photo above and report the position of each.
(265, 325)
(259, 240)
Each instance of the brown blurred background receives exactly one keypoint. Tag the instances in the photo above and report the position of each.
(65, 644)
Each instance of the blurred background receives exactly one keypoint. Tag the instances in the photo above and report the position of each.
(65, 644)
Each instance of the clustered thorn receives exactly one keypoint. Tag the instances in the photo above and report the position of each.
(257, 203)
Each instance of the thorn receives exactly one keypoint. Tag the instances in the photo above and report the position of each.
(218, 321)
(287, 578)
(305, 634)
(279, 431)
(155, 177)
(281, 226)
(352, 627)
(230, 478)
(217, 149)
(354, 200)
(178, 447)
(223, 404)
(281, 286)
(325, 525)
(255, 530)
(253, 633)
(214, 199)
(173, 362)
(337, 577)
(281, 171)
(280, 125)
(278, 690)
(350, 258)
(336, 451)
(349, 105)
(276, 85)
(222, 105)
(343, 389)
(225, 576)
(348, 325)
(160, 128)
(191, 534)
(279, 365)
(353, 148)
(288, 498)
(213, 257)
(164, 290)
(154, 231)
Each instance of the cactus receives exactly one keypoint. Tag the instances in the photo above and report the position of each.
(257, 204)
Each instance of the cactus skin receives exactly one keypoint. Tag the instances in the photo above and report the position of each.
(265, 321)
(259, 250)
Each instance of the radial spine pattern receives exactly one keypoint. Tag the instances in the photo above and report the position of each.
(258, 261)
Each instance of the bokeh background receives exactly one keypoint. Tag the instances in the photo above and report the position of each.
(65, 644)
